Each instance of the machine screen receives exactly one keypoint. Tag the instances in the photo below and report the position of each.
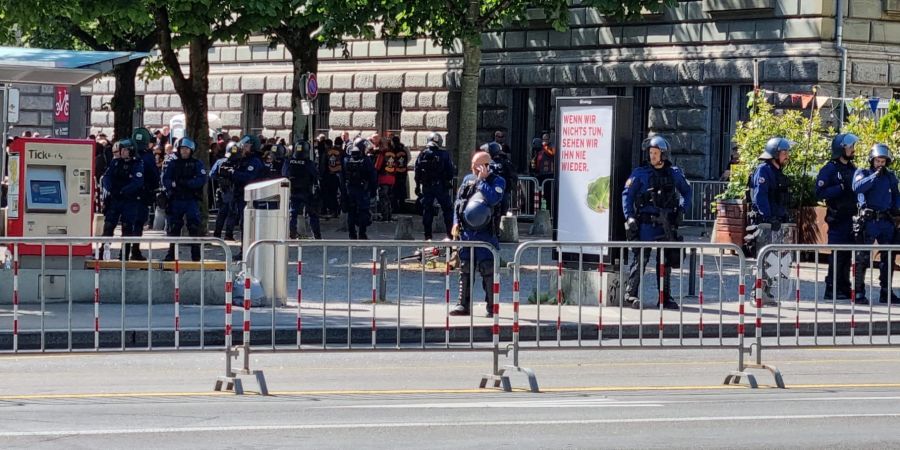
(46, 192)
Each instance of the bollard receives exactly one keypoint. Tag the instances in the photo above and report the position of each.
(342, 222)
(541, 224)
(509, 229)
(403, 231)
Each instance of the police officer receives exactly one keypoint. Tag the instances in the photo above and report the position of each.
(184, 180)
(479, 195)
(249, 168)
(503, 166)
(304, 178)
(141, 139)
(222, 172)
(878, 198)
(656, 195)
(769, 193)
(124, 184)
(434, 173)
(358, 184)
(834, 184)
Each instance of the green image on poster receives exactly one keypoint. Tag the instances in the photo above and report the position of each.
(598, 195)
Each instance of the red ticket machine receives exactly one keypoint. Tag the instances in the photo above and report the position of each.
(51, 192)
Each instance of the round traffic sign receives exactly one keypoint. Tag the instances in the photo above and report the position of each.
(312, 87)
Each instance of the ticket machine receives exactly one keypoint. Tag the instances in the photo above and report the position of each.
(51, 192)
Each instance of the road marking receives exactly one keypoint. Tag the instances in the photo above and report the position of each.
(400, 425)
(561, 403)
(714, 387)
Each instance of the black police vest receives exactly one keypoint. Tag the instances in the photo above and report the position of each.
(185, 170)
(299, 174)
(121, 174)
(661, 192)
(430, 166)
(846, 202)
(355, 176)
(466, 191)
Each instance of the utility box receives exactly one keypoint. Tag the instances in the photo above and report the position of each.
(266, 217)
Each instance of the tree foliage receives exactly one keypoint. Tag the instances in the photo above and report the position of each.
(810, 152)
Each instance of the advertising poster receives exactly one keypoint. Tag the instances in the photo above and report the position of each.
(584, 173)
(12, 203)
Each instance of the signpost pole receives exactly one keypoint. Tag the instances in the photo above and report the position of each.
(4, 120)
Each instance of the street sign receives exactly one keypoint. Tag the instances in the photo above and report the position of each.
(13, 106)
(312, 86)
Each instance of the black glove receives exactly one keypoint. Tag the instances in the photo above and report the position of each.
(631, 229)
(418, 190)
(776, 224)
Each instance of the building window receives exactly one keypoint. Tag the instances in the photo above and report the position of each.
(390, 109)
(323, 111)
(86, 110)
(721, 127)
(137, 117)
(252, 114)
(640, 125)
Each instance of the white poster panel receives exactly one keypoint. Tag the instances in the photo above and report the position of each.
(585, 173)
(13, 173)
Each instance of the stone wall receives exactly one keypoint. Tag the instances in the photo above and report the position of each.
(35, 109)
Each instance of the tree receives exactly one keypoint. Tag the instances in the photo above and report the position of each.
(102, 25)
(460, 23)
(306, 25)
(197, 24)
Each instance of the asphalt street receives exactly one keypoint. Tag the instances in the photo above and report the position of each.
(614, 399)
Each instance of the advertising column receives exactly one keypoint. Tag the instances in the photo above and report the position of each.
(593, 142)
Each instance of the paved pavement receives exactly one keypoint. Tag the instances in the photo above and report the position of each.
(616, 399)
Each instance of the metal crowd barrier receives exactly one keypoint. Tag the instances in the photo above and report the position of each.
(339, 308)
(796, 320)
(526, 197)
(595, 319)
(704, 194)
(104, 325)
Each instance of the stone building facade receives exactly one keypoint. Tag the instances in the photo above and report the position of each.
(688, 70)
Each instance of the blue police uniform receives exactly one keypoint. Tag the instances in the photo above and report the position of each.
(834, 184)
(224, 193)
(124, 184)
(358, 185)
(649, 194)
(249, 169)
(184, 180)
(433, 173)
(489, 193)
(877, 196)
(151, 185)
(304, 178)
(769, 191)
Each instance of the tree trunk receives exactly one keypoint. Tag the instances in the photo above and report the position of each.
(305, 58)
(123, 99)
(468, 105)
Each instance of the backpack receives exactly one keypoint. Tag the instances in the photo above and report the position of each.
(430, 166)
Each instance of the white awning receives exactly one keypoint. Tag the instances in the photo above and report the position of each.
(63, 67)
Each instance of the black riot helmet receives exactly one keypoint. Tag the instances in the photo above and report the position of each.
(880, 151)
(656, 142)
(302, 149)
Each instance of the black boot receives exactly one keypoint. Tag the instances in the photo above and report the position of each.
(136, 253)
(195, 252)
(170, 255)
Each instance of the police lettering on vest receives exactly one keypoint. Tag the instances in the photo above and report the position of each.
(300, 176)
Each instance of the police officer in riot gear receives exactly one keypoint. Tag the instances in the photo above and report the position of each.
(834, 184)
(878, 198)
(304, 177)
(141, 139)
(249, 168)
(124, 185)
(655, 197)
(222, 173)
(769, 190)
(480, 193)
(503, 166)
(433, 175)
(184, 180)
(358, 184)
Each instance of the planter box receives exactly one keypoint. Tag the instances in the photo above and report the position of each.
(731, 222)
(813, 229)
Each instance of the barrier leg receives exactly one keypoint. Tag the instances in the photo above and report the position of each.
(231, 380)
(529, 373)
(498, 376)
